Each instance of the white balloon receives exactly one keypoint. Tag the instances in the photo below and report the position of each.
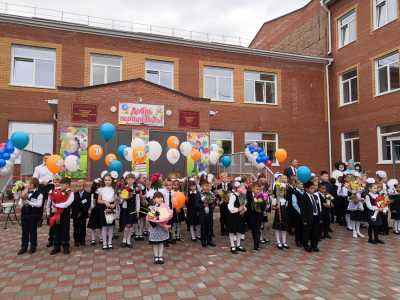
(155, 150)
(114, 174)
(214, 157)
(214, 148)
(186, 148)
(136, 143)
(173, 156)
(260, 166)
(128, 153)
(71, 163)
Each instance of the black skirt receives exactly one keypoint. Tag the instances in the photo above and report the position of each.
(280, 219)
(94, 219)
(193, 216)
(356, 215)
(235, 223)
(102, 216)
(128, 214)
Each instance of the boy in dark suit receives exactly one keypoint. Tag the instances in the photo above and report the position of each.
(80, 212)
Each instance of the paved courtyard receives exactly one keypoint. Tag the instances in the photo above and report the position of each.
(344, 269)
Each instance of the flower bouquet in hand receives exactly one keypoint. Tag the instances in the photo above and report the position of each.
(242, 199)
(160, 215)
(260, 202)
(382, 203)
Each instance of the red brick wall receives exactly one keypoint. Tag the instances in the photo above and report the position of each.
(302, 31)
(370, 111)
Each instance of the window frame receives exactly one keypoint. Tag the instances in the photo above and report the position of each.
(380, 145)
(105, 67)
(351, 140)
(377, 68)
(217, 83)
(159, 71)
(342, 44)
(341, 83)
(275, 163)
(232, 140)
(275, 82)
(375, 5)
(12, 67)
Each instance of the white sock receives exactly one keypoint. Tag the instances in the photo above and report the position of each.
(277, 237)
(283, 237)
(238, 236)
(104, 235)
(232, 239)
(198, 230)
(161, 250)
(129, 235)
(140, 226)
(192, 231)
(348, 221)
(93, 234)
(155, 250)
(110, 234)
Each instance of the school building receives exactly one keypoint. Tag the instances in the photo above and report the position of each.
(320, 82)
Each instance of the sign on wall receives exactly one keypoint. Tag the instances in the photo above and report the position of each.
(141, 114)
(141, 162)
(84, 113)
(74, 141)
(189, 119)
(200, 141)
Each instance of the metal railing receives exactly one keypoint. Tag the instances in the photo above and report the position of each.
(122, 25)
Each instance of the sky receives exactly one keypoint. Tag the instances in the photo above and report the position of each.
(230, 17)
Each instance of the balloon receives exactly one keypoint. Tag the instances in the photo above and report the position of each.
(186, 148)
(214, 148)
(304, 174)
(72, 163)
(107, 131)
(214, 157)
(20, 139)
(95, 152)
(269, 163)
(178, 200)
(137, 143)
(139, 155)
(195, 155)
(173, 156)
(2, 163)
(116, 166)
(226, 161)
(120, 150)
(128, 153)
(6, 156)
(260, 166)
(155, 150)
(2, 146)
(172, 142)
(71, 146)
(9, 147)
(55, 163)
(109, 158)
(281, 155)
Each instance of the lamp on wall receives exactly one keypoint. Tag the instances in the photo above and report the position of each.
(113, 109)
(168, 112)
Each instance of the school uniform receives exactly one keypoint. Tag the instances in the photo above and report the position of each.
(205, 218)
(194, 206)
(310, 215)
(255, 214)
(223, 208)
(325, 215)
(30, 215)
(395, 212)
(374, 224)
(45, 177)
(280, 216)
(341, 203)
(235, 222)
(80, 212)
(296, 215)
(130, 206)
(94, 218)
(108, 195)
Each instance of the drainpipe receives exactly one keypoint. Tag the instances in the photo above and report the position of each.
(329, 26)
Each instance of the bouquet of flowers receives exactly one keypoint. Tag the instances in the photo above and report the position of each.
(260, 202)
(160, 215)
(18, 186)
(57, 197)
(223, 196)
(382, 202)
(125, 194)
(242, 195)
(155, 180)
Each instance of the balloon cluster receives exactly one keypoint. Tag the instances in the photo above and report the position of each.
(10, 151)
(216, 152)
(257, 156)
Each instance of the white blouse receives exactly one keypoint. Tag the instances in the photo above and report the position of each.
(107, 194)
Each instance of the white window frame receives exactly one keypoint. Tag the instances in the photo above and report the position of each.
(341, 84)
(343, 43)
(217, 83)
(377, 92)
(160, 71)
(264, 82)
(275, 163)
(380, 152)
(34, 67)
(351, 140)
(377, 3)
(105, 67)
(232, 140)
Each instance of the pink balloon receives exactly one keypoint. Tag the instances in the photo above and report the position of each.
(2, 145)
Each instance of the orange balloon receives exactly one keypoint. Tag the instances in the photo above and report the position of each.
(178, 200)
(95, 152)
(281, 155)
(196, 155)
(109, 158)
(139, 155)
(55, 163)
(173, 142)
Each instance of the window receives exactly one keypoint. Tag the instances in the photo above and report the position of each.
(349, 87)
(40, 135)
(388, 73)
(33, 67)
(385, 11)
(105, 69)
(347, 26)
(267, 141)
(218, 84)
(351, 146)
(223, 137)
(388, 141)
(260, 87)
(160, 72)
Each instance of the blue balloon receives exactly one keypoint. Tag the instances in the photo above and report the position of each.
(2, 151)
(251, 148)
(266, 158)
(115, 165)
(107, 131)
(20, 139)
(226, 161)
(2, 163)
(120, 150)
(9, 148)
(304, 174)
(6, 156)
(260, 150)
(259, 160)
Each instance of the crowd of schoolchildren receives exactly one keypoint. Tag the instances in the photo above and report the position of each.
(110, 207)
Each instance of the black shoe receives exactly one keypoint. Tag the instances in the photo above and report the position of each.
(194, 240)
(167, 244)
(330, 230)
(83, 244)
(286, 246)
(378, 241)
(204, 245)
(129, 245)
(371, 241)
(123, 245)
(173, 242)
(66, 250)
(211, 244)
(55, 251)
(233, 250)
(92, 243)
(32, 250)
(307, 248)
(161, 260)
(49, 244)
(256, 249)
(279, 246)
(21, 251)
(315, 249)
(327, 236)
(76, 244)
(241, 249)
(155, 260)
(299, 244)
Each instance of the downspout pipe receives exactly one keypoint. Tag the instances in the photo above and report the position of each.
(325, 7)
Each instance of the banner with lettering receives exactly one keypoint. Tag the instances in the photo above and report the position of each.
(141, 114)
(200, 141)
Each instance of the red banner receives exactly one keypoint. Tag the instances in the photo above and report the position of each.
(189, 119)
(85, 113)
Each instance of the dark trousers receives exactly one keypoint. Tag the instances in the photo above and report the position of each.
(373, 229)
(61, 232)
(79, 230)
(311, 233)
(340, 210)
(29, 225)
(205, 227)
(256, 231)
(44, 189)
(298, 229)
(51, 234)
(385, 224)
(326, 221)
(223, 216)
